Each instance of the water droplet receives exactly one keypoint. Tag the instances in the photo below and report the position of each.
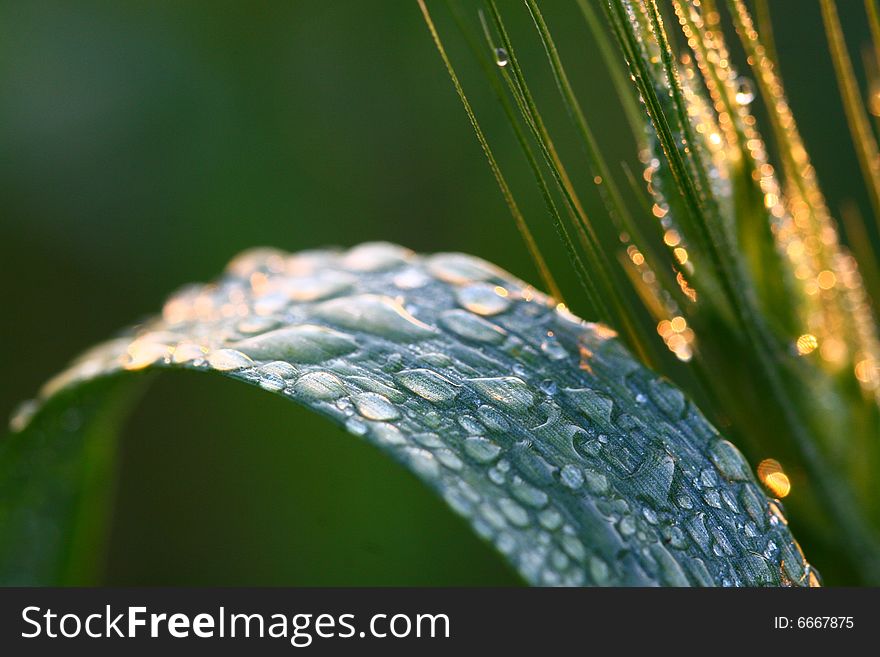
(374, 406)
(550, 519)
(189, 352)
(596, 405)
(432, 419)
(508, 392)
(271, 382)
(256, 324)
(472, 327)
(654, 478)
(492, 516)
(376, 256)
(497, 476)
(411, 279)
(226, 360)
(483, 298)
(550, 578)
(448, 458)
(599, 571)
(596, 481)
(279, 368)
(754, 504)
(423, 462)
(256, 259)
(493, 420)
(470, 425)
(559, 560)
(513, 512)
(319, 386)
(675, 537)
(271, 303)
(669, 399)
(627, 526)
(356, 426)
(696, 527)
(458, 268)
(501, 57)
(554, 351)
(708, 478)
(745, 91)
(428, 385)
(373, 313)
(698, 571)
(571, 476)
(722, 544)
(387, 433)
(143, 352)
(505, 543)
(459, 503)
(528, 494)
(712, 498)
(758, 571)
(729, 461)
(428, 439)
(586, 446)
(370, 384)
(305, 343)
(481, 449)
(573, 547)
(321, 285)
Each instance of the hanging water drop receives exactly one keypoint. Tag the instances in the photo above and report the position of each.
(745, 91)
(501, 57)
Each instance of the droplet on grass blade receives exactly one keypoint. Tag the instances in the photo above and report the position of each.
(745, 91)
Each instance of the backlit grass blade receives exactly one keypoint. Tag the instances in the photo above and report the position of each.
(859, 125)
(766, 352)
(521, 224)
(616, 71)
(558, 221)
(758, 205)
(765, 27)
(842, 310)
(595, 254)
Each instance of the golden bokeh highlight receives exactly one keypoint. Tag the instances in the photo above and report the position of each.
(806, 344)
(770, 474)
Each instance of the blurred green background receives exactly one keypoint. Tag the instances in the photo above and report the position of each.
(144, 144)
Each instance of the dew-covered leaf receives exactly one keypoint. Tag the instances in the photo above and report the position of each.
(577, 463)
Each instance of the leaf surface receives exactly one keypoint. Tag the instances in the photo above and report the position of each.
(581, 466)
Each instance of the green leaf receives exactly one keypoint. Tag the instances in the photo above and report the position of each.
(581, 466)
(55, 479)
